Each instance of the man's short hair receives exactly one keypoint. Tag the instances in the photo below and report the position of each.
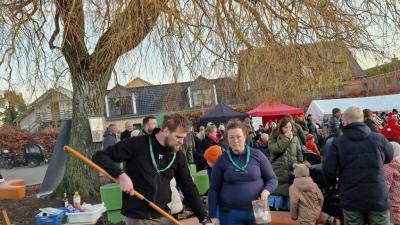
(173, 121)
(335, 110)
(147, 119)
(354, 114)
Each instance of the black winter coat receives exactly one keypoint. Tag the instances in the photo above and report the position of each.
(357, 158)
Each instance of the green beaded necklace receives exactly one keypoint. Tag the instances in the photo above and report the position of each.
(237, 167)
(154, 161)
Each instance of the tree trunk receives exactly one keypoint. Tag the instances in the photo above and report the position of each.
(88, 101)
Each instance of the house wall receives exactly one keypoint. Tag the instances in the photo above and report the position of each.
(43, 109)
(28, 121)
(376, 85)
(120, 122)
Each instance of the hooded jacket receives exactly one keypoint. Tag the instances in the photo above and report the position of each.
(283, 152)
(357, 158)
(306, 200)
(392, 130)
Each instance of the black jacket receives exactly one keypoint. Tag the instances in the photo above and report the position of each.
(206, 143)
(155, 187)
(125, 135)
(357, 159)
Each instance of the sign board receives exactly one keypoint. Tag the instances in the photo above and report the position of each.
(97, 128)
(256, 122)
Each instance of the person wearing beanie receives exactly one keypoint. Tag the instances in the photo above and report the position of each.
(311, 144)
(392, 174)
(306, 199)
(212, 154)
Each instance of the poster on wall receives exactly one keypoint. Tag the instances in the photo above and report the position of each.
(256, 122)
(97, 128)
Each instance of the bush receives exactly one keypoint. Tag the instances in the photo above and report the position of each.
(14, 138)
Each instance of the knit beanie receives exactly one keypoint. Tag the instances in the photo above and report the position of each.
(396, 149)
(213, 153)
(301, 170)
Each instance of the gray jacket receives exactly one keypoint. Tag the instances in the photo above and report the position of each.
(109, 139)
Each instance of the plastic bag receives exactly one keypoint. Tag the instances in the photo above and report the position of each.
(261, 211)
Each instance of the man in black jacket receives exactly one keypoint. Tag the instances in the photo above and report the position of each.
(356, 159)
(151, 162)
(128, 130)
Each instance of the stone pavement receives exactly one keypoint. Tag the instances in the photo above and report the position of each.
(32, 176)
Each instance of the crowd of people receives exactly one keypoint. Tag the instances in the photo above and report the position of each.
(346, 168)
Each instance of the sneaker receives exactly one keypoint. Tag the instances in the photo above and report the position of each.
(1, 179)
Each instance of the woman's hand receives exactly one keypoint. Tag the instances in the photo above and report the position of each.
(264, 195)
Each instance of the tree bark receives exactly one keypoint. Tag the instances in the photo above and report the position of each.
(88, 101)
(90, 74)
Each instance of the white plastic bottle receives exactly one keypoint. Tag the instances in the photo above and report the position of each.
(77, 200)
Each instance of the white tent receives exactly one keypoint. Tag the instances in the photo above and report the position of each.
(319, 108)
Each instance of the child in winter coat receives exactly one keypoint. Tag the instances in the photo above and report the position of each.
(310, 144)
(306, 199)
(392, 173)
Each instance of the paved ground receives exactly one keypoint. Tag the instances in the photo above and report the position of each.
(31, 176)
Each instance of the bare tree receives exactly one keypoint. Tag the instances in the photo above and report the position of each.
(83, 40)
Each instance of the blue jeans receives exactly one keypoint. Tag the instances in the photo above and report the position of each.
(237, 217)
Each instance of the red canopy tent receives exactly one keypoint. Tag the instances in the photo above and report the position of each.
(274, 111)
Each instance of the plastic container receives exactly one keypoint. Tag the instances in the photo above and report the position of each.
(90, 217)
(50, 219)
(111, 195)
(261, 211)
(201, 181)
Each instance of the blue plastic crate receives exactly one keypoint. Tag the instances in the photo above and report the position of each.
(54, 219)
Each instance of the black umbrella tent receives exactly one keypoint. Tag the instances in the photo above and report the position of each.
(220, 114)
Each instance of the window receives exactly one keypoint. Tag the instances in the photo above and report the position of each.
(33, 149)
(387, 82)
(365, 85)
(307, 71)
(202, 97)
(121, 106)
(375, 85)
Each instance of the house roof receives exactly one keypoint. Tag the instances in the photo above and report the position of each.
(313, 54)
(174, 96)
(63, 91)
(137, 82)
(67, 93)
(384, 68)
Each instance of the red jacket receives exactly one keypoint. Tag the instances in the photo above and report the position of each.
(312, 146)
(392, 129)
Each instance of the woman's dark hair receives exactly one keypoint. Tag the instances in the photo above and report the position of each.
(367, 113)
(282, 123)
